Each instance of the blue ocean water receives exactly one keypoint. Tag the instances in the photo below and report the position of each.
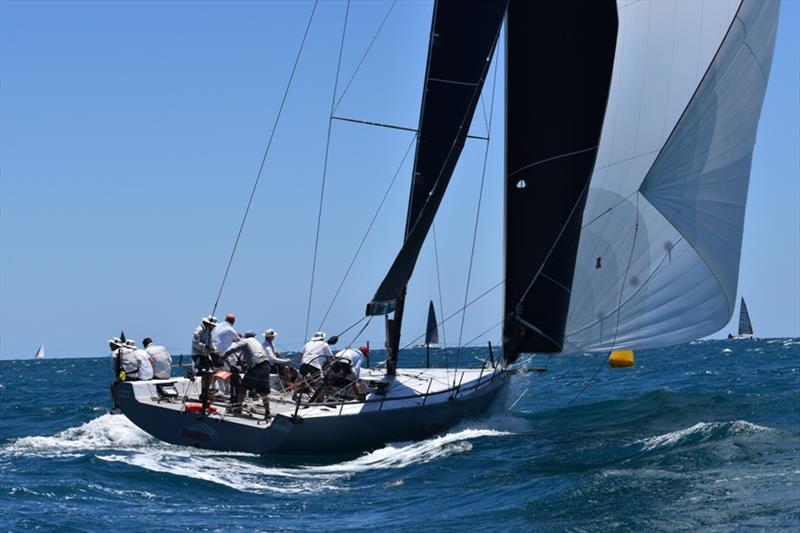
(704, 435)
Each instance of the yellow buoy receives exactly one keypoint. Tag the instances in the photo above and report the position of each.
(621, 358)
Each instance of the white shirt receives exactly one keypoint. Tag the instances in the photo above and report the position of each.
(355, 357)
(222, 336)
(315, 353)
(128, 362)
(162, 362)
(145, 368)
(270, 350)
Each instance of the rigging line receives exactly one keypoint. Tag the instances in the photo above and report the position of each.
(439, 284)
(351, 326)
(619, 311)
(625, 276)
(437, 182)
(483, 333)
(369, 228)
(364, 56)
(359, 332)
(585, 386)
(266, 153)
(555, 243)
(477, 216)
(484, 293)
(325, 167)
(441, 304)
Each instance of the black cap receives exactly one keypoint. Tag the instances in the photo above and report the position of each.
(147, 341)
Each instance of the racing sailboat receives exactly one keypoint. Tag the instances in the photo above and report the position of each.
(745, 327)
(39, 352)
(629, 132)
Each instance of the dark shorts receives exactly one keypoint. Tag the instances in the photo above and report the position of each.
(306, 369)
(257, 379)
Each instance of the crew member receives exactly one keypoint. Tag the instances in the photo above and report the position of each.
(123, 360)
(223, 334)
(257, 363)
(204, 356)
(316, 353)
(160, 359)
(145, 367)
(357, 358)
(350, 362)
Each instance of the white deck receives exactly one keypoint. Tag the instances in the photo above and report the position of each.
(411, 387)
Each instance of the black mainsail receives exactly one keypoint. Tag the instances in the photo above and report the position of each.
(559, 59)
(463, 37)
(745, 327)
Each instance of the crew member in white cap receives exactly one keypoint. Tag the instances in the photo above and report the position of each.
(204, 356)
(269, 337)
(315, 354)
(123, 359)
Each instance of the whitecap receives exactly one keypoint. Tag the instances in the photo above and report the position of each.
(703, 431)
(106, 431)
(114, 438)
(232, 471)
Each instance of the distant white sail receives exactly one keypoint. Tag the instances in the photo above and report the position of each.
(40, 352)
(658, 259)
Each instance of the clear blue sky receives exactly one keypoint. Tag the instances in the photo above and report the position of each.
(131, 132)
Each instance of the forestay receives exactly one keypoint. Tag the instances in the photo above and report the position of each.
(659, 250)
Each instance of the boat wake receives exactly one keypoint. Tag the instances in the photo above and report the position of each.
(116, 439)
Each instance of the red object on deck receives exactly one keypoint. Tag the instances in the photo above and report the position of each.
(194, 407)
(222, 374)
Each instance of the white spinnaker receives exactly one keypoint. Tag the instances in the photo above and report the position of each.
(665, 211)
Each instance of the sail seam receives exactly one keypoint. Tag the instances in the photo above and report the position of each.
(553, 158)
(454, 82)
(643, 188)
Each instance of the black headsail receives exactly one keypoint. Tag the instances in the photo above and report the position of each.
(463, 37)
(559, 59)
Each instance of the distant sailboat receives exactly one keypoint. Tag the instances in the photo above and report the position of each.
(745, 327)
(40, 352)
(431, 330)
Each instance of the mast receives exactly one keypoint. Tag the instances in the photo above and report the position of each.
(462, 41)
(559, 60)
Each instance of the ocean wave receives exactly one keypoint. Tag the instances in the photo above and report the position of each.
(119, 440)
(249, 476)
(104, 432)
(701, 432)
